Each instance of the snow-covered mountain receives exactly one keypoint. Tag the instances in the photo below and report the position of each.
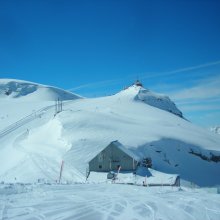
(12, 88)
(139, 93)
(156, 100)
(150, 125)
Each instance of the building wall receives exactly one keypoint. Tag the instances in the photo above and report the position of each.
(110, 158)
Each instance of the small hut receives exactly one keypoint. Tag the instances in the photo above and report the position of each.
(112, 157)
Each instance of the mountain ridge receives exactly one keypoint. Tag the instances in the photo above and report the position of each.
(13, 88)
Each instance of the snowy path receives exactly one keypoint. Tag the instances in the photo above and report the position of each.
(109, 201)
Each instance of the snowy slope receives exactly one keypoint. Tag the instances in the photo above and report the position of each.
(86, 126)
(20, 98)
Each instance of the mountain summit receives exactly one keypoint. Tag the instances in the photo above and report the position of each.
(138, 93)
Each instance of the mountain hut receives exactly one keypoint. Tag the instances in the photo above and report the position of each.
(112, 157)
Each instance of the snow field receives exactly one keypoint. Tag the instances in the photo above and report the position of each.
(110, 201)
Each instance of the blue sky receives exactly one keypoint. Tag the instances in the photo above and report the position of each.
(97, 47)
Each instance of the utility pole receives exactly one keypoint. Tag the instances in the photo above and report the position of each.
(61, 171)
(58, 106)
(55, 107)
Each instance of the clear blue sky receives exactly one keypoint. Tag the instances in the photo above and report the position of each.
(97, 47)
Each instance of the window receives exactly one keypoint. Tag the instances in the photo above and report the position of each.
(100, 166)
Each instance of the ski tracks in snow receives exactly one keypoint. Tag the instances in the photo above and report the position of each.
(108, 202)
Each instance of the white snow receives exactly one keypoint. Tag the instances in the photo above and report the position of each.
(35, 140)
(107, 201)
(143, 175)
